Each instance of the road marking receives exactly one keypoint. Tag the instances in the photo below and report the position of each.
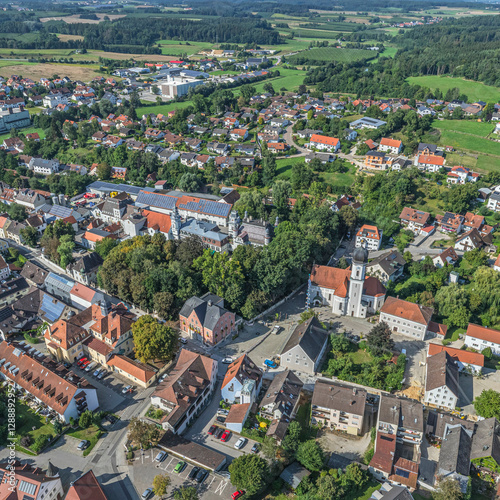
(185, 477)
(220, 489)
(166, 467)
(213, 479)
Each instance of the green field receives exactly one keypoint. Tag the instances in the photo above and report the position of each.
(389, 52)
(289, 79)
(175, 48)
(470, 143)
(6, 62)
(475, 91)
(27, 130)
(162, 108)
(324, 54)
(480, 129)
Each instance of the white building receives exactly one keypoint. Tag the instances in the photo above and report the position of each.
(481, 337)
(242, 381)
(390, 146)
(441, 383)
(369, 237)
(348, 292)
(51, 101)
(324, 143)
(494, 202)
(44, 167)
(472, 362)
(178, 86)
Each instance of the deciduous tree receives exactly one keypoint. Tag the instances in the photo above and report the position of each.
(160, 484)
(249, 472)
(487, 404)
(310, 455)
(154, 341)
(379, 339)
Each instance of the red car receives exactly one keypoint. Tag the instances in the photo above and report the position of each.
(85, 363)
(225, 436)
(237, 494)
(212, 430)
(81, 361)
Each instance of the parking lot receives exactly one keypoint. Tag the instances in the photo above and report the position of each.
(215, 486)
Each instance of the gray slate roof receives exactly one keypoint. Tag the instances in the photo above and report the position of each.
(455, 452)
(310, 336)
(390, 262)
(206, 309)
(486, 440)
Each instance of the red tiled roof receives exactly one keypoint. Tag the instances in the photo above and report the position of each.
(133, 368)
(393, 143)
(323, 139)
(83, 292)
(471, 358)
(237, 413)
(431, 160)
(98, 345)
(157, 221)
(407, 310)
(367, 231)
(483, 333)
(86, 487)
(383, 457)
(329, 277)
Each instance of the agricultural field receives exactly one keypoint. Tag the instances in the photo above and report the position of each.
(176, 48)
(289, 79)
(469, 142)
(324, 54)
(37, 71)
(75, 19)
(66, 38)
(475, 91)
(480, 129)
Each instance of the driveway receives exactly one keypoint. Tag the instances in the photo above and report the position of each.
(344, 449)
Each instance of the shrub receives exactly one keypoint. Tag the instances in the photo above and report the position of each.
(85, 419)
(130, 455)
(25, 441)
(487, 353)
(40, 443)
(446, 342)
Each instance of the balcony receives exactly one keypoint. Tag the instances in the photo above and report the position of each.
(320, 414)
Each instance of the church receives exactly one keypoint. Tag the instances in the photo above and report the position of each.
(348, 291)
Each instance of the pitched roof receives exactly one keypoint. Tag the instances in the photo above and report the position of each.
(455, 451)
(328, 277)
(339, 397)
(431, 160)
(393, 143)
(367, 231)
(407, 310)
(86, 487)
(65, 334)
(140, 371)
(486, 440)
(483, 333)
(238, 413)
(157, 221)
(470, 358)
(310, 336)
(449, 253)
(208, 311)
(441, 371)
(241, 369)
(323, 139)
(385, 448)
(413, 215)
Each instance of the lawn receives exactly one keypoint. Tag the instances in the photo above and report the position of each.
(365, 495)
(92, 434)
(6, 62)
(481, 129)
(28, 130)
(284, 166)
(175, 48)
(469, 142)
(26, 419)
(324, 54)
(162, 108)
(289, 79)
(389, 52)
(475, 91)
(338, 178)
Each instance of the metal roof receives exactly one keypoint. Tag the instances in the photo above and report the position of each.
(108, 187)
(51, 307)
(59, 282)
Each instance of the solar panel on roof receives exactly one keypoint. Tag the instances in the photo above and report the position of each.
(402, 473)
(60, 211)
(52, 310)
(26, 487)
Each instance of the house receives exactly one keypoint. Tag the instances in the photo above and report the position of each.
(206, 319)
(238, 134)
(472, 240)
(390, 491)
(481, 337)
(44, 167)
(446, 257)
(455, 457)
(486, 443)
(86, 487)
(324, 143)
(450, 222)
(139, 374)
(84, 269)
(280, 402)
(33, 274)
(414, 220)
(428, 149)
(346, 200)
(424, 111)
(305, 347)
(473, 221)
(64, 340)
(369, 237)
(348, 291)
(465, 360)
(25, 481)
(45, 381)
(439, 423)
(496, 265)
(408, 319)
(441, 381)
(338, 407)
(4, 269)
(112, 141)
(430, 163)
(461, 175)
(390, 146)
(324, 158)
(242, 381)
(82, 296)
(387, 267)
(294, 474)
(186, 391)
(368, 123)
(494, 202)
(277, 147)
(235, 419)
(376, 159)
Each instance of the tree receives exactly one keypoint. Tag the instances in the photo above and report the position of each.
(154, 341)
(85, 419)
(354, 478)
(189, 182)
(310, 455)
(487, 404)
(186, 493)
(269, 447)
(268, 170)
(104, 246)
(291, 441)
(160, 484)
(340, 343)
(249, 472)
(282, 190)
(143, 433)
(104, 171)
(65, 250)
(349, 217)
(29, 235)
(327, 487)
(17, 212)
(449, 489)
(379, 339)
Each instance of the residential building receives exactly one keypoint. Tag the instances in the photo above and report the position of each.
(255, 232)
(409, 319)
(84, 269)
(454, 457)
(348, 291)
(430, 163)
(33, 274)
(13, 118)
(294, 474)
(137, 373)
(494, 202)
(235, 419)
(324, 143)
(450, 222)
(368, 123)
(186, 391)
(206, 319)
(369, 236)
(28, 482)
(446, 257)
(393, 146)
(486, 443)
(480, 337)
(376, 159)
(44, 167)
(441, 382)
(64, 340)
(472, 240)
(86, 487)
(496, 265)
(338, 407)
(387, 267)
(280, 402)
(414, 220)
(305, 347)
(439, 423)
(390, 491)
(461, 175)
(4, 269)
(465, 360)
(49, 383)
(242, 381)
(113, 208)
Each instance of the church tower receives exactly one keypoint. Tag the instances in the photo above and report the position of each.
(176, 224)
(234, 224)
(355, 307)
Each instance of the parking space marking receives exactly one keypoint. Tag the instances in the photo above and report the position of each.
(166, 466)
(213, 479)
(220, 489)
(185, 477)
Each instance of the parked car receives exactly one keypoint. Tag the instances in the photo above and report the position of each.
(218, 432)
(162, 378)
(85, 364)
(227, 360)
(102, 374)
(201, 476)
(147, 494)
(270, 364)
(83, 445)
(192, 474)
(180, 467)
(221, 419)
(255, 448)
(97, 372)
(277, 329)
(90, 366)
(126, 389)
(160, 457)
(226, 435)
(183, 340)
(240, 443)
(221, 411)
(81, 361)
(237, 494)
(212, 429)
(110, 418)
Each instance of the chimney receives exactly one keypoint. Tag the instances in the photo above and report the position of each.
(10, 111)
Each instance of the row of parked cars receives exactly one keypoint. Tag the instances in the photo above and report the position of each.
(98, 371)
